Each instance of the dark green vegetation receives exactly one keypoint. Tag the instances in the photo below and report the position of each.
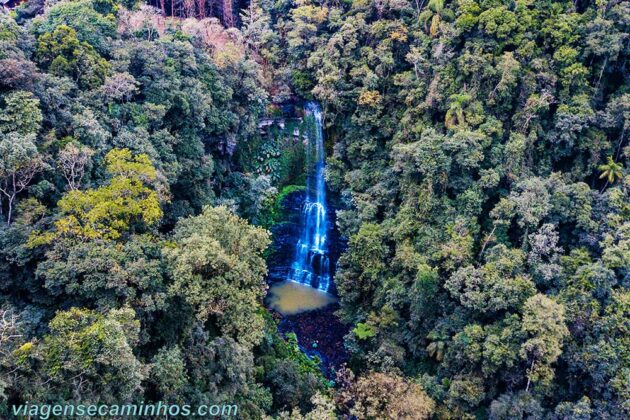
(480, 153)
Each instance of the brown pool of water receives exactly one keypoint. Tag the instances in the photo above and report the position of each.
(290, 298)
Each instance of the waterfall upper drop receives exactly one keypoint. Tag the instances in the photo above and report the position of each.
(311, 265)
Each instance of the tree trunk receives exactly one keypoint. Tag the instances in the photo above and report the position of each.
(10, 209)
(601, 73)
(487, 241)
(529, 377)
(201, 9)
(228, 13)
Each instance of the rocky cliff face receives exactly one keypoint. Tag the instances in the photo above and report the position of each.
(286, 234)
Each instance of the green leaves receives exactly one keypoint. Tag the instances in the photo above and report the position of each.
(466, 141)
(218, 269)
(90, 20)
(16, 151)
(63, 54)
(611, 171)
(378, 395)
(111, 211)
(497, 285)
(20, 161)
(88, 357)
(168, 371)
(364, 331)
(544, 323)
(20, 114)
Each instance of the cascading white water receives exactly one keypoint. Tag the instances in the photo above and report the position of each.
(312, 263)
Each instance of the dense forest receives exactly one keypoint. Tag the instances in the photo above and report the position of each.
(477, 154)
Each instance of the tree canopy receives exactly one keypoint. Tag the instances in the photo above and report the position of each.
(476, 159)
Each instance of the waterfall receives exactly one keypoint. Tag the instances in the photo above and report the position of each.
(311, 265)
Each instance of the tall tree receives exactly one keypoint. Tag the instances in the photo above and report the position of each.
(218, 269)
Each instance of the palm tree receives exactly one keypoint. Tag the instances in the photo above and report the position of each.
(437, 346)
(432, 16)
(611, 171)
(455, 114)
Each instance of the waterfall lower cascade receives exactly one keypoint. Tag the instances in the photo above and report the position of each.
(312, 262)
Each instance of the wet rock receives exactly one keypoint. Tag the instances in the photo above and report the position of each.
(319, 333)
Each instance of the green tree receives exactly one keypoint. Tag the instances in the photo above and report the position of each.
(544, 323)
(107, 274)
(168, 372)
(63, 54)
(498, 285)
(110, 211)
(92, 20)
(362, 269)
(217, 268)
(610, 171)
(20, 162)
(21, 114)
(378, 395)
(433, 16)
(86, 357)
